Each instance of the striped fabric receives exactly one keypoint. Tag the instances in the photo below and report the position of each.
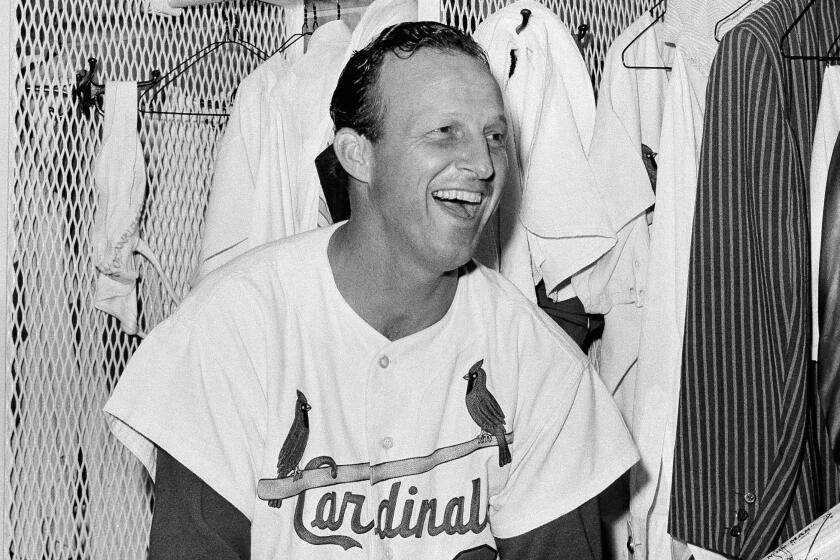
(751, 465)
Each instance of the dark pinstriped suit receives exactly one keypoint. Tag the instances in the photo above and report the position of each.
(747, 469)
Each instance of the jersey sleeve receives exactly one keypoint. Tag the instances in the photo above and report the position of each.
(193, 388)
(570, 441)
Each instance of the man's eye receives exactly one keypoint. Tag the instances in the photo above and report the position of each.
(496, 137)
(442, 130)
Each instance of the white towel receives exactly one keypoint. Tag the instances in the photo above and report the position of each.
(120, 178)
(560, 223)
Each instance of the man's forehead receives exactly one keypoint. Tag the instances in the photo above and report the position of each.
(431, 75)
(429, 57)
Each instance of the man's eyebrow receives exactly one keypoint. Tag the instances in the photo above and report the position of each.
(500, 119)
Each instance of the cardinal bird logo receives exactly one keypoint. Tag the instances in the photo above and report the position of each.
(288, 462)
(485, 411)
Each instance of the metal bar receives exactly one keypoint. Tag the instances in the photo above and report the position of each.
(190, 3)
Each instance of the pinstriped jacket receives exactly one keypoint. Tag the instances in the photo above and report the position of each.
(750, 466)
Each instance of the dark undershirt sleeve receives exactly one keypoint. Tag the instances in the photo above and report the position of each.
(191, 520)
(574, 536)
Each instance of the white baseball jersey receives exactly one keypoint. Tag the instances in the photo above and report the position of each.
(390, 462)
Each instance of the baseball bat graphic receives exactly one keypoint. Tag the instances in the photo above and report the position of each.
(330, 474)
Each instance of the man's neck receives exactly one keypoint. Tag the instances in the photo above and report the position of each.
(391, 295)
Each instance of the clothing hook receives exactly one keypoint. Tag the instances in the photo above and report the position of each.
(526, 15)
(582, 32)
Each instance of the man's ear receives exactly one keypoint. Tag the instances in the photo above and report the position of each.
(354, 152)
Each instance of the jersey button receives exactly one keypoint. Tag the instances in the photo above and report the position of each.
(384, 361)
(388, 442)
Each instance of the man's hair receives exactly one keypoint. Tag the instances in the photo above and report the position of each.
(357, 100)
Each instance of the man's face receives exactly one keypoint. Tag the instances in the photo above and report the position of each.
(440, 162)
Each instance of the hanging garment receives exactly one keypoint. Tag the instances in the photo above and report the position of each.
(553, 219)
(627, 129)
(829, 303)
(334, 183)
(628, 117)
(660, 345)
(749, 471)
(266, 183)
(312, 122)
(120, 178)
(257, 194)
(828, 126)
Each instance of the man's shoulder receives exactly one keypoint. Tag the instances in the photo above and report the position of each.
(508, 313)
(268, 270)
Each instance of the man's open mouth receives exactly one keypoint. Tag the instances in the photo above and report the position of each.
(461, 203)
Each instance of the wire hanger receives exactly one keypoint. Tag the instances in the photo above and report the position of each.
(821, 57)
(304, 29)
(660, 17)
(163, 81)
(728, 17)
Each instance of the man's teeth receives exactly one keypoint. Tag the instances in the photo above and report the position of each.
(459, 196)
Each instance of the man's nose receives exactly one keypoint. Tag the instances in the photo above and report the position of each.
(476, 158)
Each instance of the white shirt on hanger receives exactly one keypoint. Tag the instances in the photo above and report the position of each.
(629, 114)
(828, 126)
(266, 185)
(660, 350)
(258, 193)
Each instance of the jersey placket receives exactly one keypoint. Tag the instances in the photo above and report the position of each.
(384, 408)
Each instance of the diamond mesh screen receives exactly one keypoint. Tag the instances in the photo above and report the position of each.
(75, 492)
(605, 18)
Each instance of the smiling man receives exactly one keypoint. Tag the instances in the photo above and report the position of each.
(367, 390)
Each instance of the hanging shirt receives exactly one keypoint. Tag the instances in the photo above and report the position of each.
(750, 468)
(660, 344)
(257, 193)
(828, 126)
(392, 465)
(554, 220)
(266, 183)
(628, 116)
